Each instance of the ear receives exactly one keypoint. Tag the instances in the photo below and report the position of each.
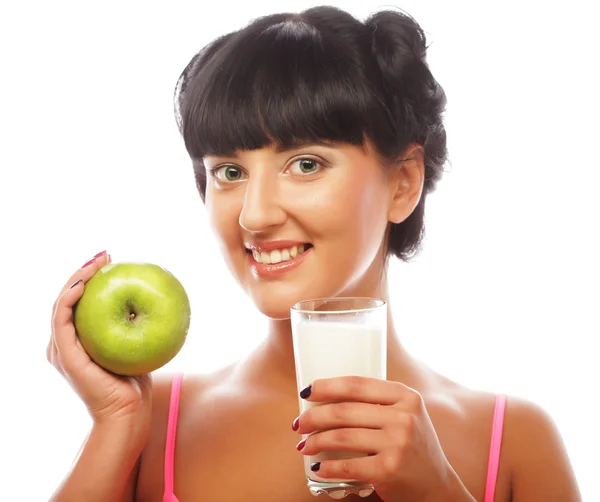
(406, 183)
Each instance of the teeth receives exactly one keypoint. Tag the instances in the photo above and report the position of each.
(278, 255)
(275, 256)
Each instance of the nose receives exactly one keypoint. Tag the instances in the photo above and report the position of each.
(262, 210)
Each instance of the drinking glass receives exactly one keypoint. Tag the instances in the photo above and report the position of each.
(336, 337)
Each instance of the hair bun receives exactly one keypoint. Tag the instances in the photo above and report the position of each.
(399, 46)
(396, 34)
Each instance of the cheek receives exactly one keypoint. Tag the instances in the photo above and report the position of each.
(363, 227)
(369, 207)
(346, 220)
(350, 208)
(223, 216)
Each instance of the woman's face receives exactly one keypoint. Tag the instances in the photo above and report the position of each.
(308, 222)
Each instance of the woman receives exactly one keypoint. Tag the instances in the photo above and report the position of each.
(318, 136)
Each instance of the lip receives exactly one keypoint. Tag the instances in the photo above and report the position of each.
(272, 270)
(269, 246)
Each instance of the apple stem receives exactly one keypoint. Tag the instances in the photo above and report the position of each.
(131, 317)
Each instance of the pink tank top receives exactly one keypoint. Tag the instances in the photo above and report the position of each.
(169, 494)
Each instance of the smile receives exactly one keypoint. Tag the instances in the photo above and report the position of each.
(273, 262)
(279, 255)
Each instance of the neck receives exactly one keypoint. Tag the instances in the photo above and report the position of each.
(278, 352)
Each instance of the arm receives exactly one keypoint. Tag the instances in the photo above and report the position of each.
(540, 466)
(106, 469)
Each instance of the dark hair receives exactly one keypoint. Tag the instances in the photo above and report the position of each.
(317, 75)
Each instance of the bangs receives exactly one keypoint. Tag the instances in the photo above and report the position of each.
(283, 85)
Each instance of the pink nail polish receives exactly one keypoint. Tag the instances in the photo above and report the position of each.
(98, 255)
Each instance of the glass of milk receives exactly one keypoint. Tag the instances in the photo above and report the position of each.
(338, 337)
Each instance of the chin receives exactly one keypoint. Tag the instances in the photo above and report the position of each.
(276, 299)
(274, 307)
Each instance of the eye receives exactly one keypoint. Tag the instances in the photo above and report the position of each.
(305, 166)
(228, 174)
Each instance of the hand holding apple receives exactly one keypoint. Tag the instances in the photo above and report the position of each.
(132, 318)
(110, 399)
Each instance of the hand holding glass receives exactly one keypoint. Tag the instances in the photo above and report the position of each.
(335, 337)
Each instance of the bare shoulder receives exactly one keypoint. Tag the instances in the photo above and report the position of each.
(193, 388)
(540, 466)
(533, 455)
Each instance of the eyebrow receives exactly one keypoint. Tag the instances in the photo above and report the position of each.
(296, 145)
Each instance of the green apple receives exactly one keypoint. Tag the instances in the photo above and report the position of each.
(132, 318)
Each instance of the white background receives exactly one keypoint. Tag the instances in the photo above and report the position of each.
(504, 296)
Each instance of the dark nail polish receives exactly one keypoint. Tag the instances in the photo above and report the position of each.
(296, 424)
(306, 392)
(74, 284)
(301, 445)
(315, 467)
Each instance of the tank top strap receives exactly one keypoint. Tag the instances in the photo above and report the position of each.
(169, 467)
(495, 447)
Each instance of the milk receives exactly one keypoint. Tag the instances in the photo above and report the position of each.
(326, 349)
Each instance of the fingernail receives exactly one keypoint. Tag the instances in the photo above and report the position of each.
(97, 255)
(74, 284)
(315, 467)
(306, 392)
(296, 424)
(301, 445)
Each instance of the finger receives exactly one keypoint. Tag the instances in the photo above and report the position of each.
(356, 440)
(144, 385)
(51, 352)
(68, 349)
(52, 355)
(85, 273)
(87, 270)
(339, 415)
(366, 390)
(358, 468)
(64, 349)
(49, 349)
